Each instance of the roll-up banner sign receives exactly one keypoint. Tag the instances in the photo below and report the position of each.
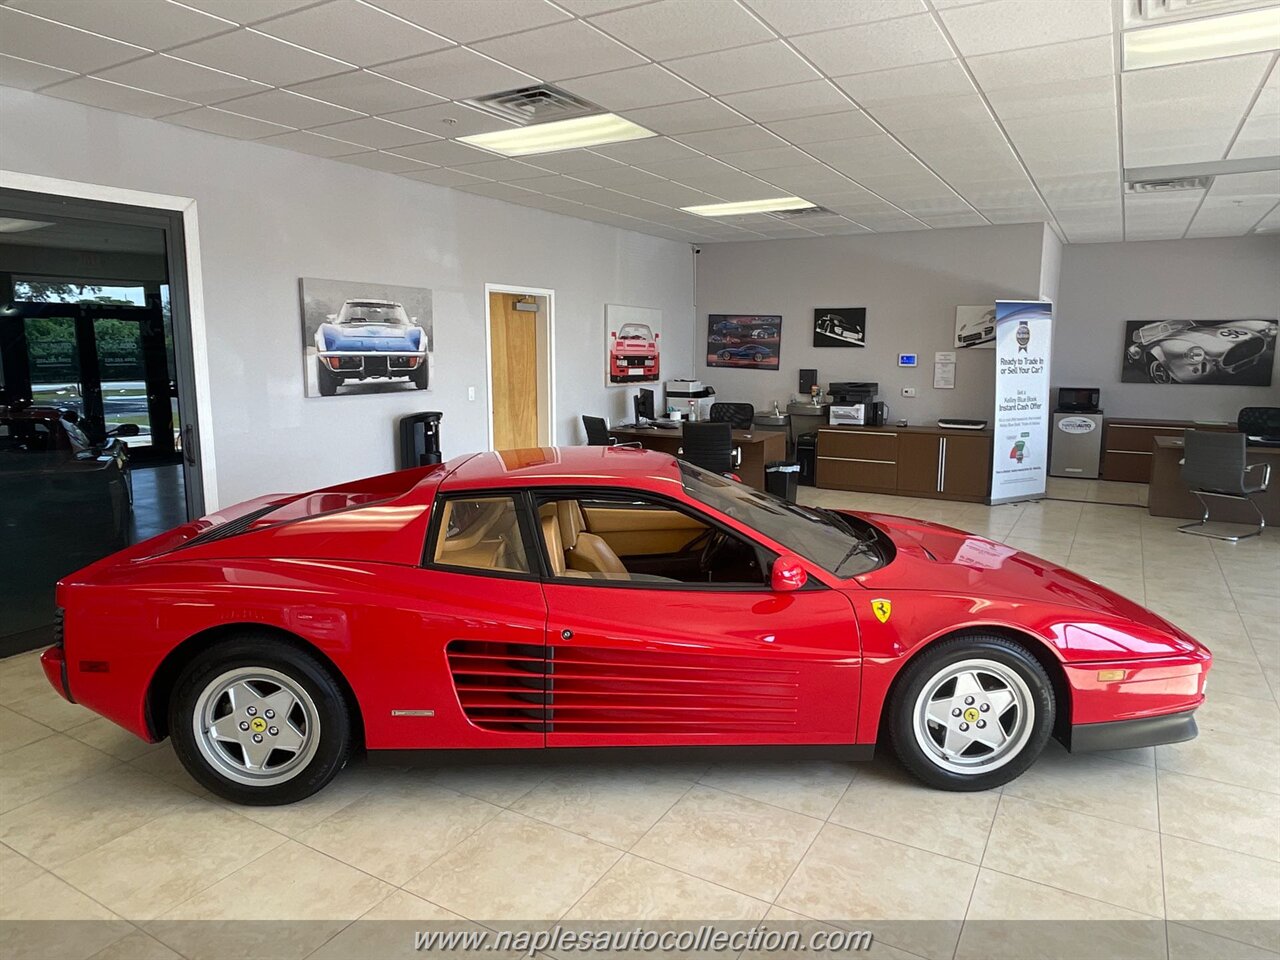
(1024, 338)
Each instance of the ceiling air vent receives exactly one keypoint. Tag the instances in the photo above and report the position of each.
(1142, 188)
(537, 104)
(799, 214)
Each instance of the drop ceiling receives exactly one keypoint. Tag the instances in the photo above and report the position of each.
(891, 114)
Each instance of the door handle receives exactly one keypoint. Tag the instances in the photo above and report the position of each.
(942, 464)
(188, 445)
(941, 447)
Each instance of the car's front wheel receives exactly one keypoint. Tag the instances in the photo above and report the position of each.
(259, 721)
(971, 713)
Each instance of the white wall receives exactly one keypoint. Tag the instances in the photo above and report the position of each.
(1105, 284)
(269, 216)
(910, 283)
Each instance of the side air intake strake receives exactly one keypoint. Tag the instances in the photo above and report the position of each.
(231, 528)
(536, 104)
(507, 686)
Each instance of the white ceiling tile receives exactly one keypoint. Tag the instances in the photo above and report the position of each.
(773, 158)
(1260, 135)
(561, 187)
(466, 120)
(644, 86)
(25, 75)
(830, 126)
(677, 28)
(809, 99)
(366, 92)
(944, 220)
(32, 38)
(810, 179)
(574, 161)
(213, 120)
(354, 32)
(1270, 223)
(374, 133)
(1159, 217)
(791, 17)
(671, 194)
(149, 23)
(732, 140)
(115, 96)
(497, 191)
(1047, 99)
(506, 170)
(247, 11)
(1012, 24)
(745, 68)
(467, 21)
(692, 116)
(922, 81)
(161, 73)
(259, 57)
(903, 116)
(457, 74)
(383, 162)
(304, 141)
(445, 153)
(731, 185)
(445, 178)
(619, 176)
(561, 51)
(1070, 190)
(876, 46)
(650, 150)
(688, 167)
(290, 109)
(1054, 63)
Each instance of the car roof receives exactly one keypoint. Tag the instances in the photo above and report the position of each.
(543, 466)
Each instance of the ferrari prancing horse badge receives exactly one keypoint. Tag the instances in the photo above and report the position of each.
(882, 609)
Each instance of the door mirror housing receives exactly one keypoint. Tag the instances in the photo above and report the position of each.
(787, 573)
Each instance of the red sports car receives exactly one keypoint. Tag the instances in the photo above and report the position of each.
(587, 597)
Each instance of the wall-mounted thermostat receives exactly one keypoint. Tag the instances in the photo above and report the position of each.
(907, 359)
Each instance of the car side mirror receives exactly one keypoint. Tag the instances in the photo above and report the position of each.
(787, 574)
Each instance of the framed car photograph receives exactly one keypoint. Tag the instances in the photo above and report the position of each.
(365, 338)
(1241, 353)
(976, 327)
(632, 341)
(840, 327)
(749, 341)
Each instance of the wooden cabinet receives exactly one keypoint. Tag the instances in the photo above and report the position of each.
(912, 461)
(966, 467)
(919, 463)
(1127, 445)
(858, 460)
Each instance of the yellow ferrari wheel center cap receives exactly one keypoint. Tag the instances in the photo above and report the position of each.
(971, 714)
(257, 724)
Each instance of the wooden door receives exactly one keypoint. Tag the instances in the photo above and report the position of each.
(513, 346)
(919, 463)
(967, 468)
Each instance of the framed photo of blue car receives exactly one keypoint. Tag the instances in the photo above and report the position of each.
(365, 338)
(750, 341)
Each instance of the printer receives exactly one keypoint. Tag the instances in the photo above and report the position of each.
(853, 403)
(692, 399)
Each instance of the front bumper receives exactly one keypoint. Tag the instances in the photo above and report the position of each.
(1130, 734)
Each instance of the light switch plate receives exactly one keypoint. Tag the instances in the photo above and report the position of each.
(908, 391)
(471, 393)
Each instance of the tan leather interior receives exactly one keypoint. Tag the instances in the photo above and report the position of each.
(488, 540)
(555, 549)
(631, 532)
(584, 550)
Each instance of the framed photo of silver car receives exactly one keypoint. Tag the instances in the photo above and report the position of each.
(976, 327)
(1241, 353)
(750, 341)
(840, 327)
(365, 338)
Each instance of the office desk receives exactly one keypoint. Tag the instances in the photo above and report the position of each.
(1168, 496)
(758, 447)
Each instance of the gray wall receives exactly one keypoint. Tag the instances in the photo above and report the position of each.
(910, 284)
(1105, 284)
(269, 216)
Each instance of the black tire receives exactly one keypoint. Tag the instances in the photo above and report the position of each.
(421, 375)
(327, 381)
(901, 715)
(252, 649)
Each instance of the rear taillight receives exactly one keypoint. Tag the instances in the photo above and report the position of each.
(54, 660)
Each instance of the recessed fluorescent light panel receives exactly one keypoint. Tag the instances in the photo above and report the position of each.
(14, 225)
(572, 134)
(744, 207)
(1205, 39)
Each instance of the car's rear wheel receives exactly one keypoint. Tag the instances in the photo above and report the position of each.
(259, 721)
(971, 713)
(421, 375)
(327, 381)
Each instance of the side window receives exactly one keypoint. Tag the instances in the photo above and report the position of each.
(480, 533)
(629, 538)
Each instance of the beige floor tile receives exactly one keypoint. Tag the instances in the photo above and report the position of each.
(636, 889)
(395, 831)
(1240, 678)
(786, 921)
(137, 946)
(910, 898)
(22, 678)
(885, 801)
(514, 868)
(165, 765)
(48, 708)
(155, 867)
(1246, 716)
(1188, 943)
(294, 819)
(1143, 756)
(1125, 792)
(1059, 848)
(613, 804)
(809, 787)
(1052, 551)
(113, 740)
(1222, 755)
(501, 784)
(72, 821)
(1015, 919)
(388, 930)
(740, 843)
(40, 768)
(1240, 819)
(17, 731)
(1222, 892)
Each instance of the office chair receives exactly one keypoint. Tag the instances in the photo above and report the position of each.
(1213, 465)
(598, 434)
(741, 416)
(1260, 424)
(710, 446)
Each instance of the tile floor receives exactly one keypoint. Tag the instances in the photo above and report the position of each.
(1168, 853)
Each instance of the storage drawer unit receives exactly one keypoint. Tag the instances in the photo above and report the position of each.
(1127, 445)
(858, 460)
(911, 461)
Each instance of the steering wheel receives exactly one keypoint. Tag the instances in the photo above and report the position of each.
(716, 542)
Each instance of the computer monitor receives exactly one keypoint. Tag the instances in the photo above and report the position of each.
(645, 409)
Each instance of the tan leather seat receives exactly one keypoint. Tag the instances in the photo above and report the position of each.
(584, 550)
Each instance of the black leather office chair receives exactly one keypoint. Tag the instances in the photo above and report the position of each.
(741, 416)
(710, 446)
(1213, 465)
(598, 434)
(1260, 424)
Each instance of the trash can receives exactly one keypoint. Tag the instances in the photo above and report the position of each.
(780, 479)
(807, 455)
(420, 439)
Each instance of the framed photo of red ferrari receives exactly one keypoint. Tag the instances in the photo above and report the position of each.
(751, 341)
(633, 344)
(1241, 353)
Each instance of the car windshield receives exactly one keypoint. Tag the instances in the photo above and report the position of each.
(359, 311)
(632, 331)
(840, 544)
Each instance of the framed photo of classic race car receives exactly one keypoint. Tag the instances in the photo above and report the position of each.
(840, 327)
(1241, 353)
(750, 341)
(363, 338)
